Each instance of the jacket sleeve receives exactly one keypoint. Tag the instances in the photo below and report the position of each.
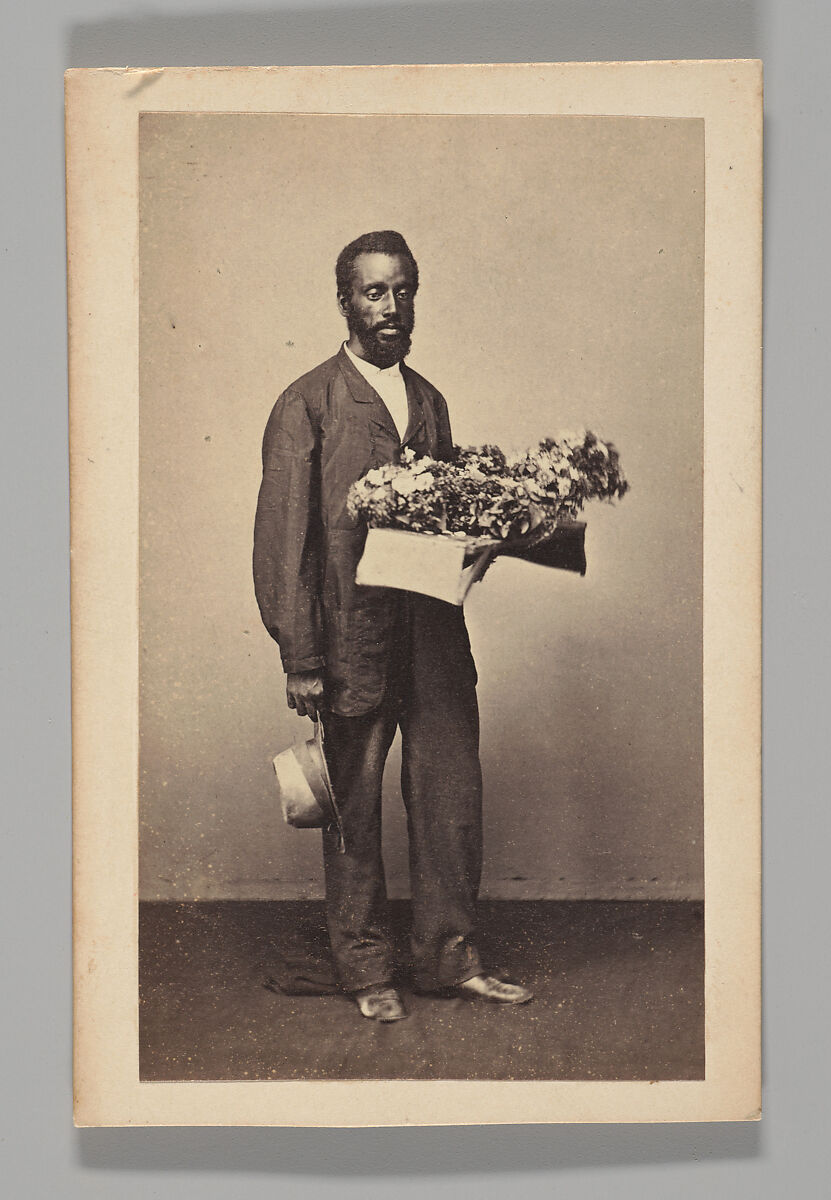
(288, 535)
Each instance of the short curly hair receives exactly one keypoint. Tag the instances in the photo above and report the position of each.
(381, 241)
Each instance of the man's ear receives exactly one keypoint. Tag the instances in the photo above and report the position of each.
(343, 303)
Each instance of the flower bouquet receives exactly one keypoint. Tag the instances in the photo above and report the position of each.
(435, 526)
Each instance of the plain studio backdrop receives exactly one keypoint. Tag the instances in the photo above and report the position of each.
(561, 263)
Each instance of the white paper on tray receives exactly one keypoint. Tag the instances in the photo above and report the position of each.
(419, 562)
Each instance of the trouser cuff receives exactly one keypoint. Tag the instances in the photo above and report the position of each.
(437, 978)
(359, 983)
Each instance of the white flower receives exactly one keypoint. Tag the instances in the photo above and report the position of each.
(405, 484)
(423, 464)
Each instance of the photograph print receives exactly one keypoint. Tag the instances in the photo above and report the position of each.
(420, 518)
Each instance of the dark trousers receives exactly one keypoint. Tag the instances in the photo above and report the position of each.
(431, 695)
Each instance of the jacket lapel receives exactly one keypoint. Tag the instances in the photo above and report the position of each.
(415, 406)
(363, 393)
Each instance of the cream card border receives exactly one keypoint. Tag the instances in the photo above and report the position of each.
(102, 188)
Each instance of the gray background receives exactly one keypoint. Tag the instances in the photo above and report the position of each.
(42, 1155)
(525, 228)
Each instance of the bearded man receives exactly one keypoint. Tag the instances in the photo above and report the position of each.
(367, 661)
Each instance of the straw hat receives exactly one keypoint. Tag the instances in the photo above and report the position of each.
(305, 787)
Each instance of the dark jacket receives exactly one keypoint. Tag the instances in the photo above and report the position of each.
(326, 430)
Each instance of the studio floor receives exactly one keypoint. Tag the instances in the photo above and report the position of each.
(619, 994)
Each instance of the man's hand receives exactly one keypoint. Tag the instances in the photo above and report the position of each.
(304, 693)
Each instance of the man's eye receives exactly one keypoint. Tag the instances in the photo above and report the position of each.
(373, 295)
(403, 293)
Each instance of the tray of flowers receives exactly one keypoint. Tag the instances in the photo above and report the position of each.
(435, 526)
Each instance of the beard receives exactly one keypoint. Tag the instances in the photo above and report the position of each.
(382, 350)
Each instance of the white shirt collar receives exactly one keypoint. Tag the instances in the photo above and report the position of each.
(369, 370)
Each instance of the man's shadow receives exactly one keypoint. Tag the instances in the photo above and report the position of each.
(448, 31)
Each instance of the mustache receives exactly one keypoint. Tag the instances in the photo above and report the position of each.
(389, 325)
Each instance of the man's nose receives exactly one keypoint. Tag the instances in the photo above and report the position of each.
(390, 305)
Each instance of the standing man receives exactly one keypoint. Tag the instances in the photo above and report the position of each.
(368, 660)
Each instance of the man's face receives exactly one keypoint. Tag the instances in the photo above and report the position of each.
(379, 308)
